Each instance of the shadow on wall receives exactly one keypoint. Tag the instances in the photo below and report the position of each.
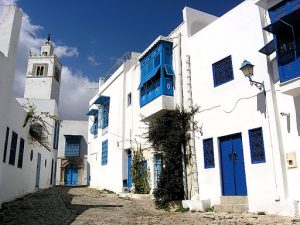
(297, 107)
(261, 103)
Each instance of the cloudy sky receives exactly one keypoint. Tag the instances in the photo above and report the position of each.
(90, 36)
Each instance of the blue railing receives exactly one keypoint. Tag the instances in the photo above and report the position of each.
(289, 64)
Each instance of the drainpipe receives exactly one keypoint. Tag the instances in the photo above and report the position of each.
(179, 92)
(192, 132)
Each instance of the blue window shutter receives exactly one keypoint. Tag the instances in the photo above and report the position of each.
(72, 147)
(5, 144)
(21, 153)
(56, 134)
(13, 148)
(208, 151)
(222, 71)
(104, 152)
(257, 145)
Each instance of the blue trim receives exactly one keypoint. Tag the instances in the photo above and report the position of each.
(92, 112)
(101, 100)
(104, 153)
(269, 48)
(257, 148)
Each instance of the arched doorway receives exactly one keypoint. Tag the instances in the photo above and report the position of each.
(71, 174)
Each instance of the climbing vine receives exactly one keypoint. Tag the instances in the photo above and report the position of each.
(169, 136)
(38, 131)
(139, 172)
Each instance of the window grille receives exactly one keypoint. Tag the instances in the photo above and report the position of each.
(13, 148)
(5, 144)
(222, 71)
(208, 150)
(21, 152)
(104, 152)
(257, 146)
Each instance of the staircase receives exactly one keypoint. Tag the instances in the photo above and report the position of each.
(235, 204)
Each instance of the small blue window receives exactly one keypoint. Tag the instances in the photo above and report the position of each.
(104, 152)
(56, 134)
(5, 144)
(21, 153)
(13, 148)
(208, 150)
(72, 147)
(257, 145)
(222, 71)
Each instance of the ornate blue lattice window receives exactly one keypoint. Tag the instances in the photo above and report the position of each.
(156, 72)
(208, 151)
(222, 71)
(72, 147)
(104, 110)
(94, 117)
(257, 145)
(104, 152)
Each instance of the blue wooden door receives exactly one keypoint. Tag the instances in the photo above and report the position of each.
(129, 179)
(232, 166)
(71, 174)
(38, 170)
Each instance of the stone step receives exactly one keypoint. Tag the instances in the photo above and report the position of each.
(234, 208)
(225, 200)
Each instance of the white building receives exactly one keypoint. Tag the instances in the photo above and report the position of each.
(245, 145)
(24, 166)
(72, 163)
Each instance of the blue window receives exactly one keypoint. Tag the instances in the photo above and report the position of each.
(13, 148)
(222, 71)
(257, 145)
(129, 99)
(21, 153)
(56, 134)
(5, 144)
(104, 152)
(104, 113)
(208, 151)
(157, 168)
(156, 73)
(72, 147)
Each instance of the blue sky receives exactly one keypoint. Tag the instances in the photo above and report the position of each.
(90, 35)
(103, 30)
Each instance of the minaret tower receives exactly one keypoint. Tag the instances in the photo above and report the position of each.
(43, 75)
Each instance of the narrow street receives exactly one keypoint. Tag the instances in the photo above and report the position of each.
(65, 205)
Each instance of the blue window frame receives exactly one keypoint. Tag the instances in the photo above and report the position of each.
(56, 134)
(72, 147)
(222, 71)
(5, 144)
(208, 151)
(104, 113)
(157, 168)
(257, 145)
(13, 148)
(21, 153)
(104, 152)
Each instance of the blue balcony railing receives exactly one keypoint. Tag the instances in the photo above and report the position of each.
(289, 65)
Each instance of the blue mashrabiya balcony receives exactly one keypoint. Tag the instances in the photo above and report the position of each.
(156, 72)
(285, 26)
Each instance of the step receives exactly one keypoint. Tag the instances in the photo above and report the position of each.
(234, 208)
(225, 200)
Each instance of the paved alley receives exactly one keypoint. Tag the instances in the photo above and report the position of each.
(65, 205)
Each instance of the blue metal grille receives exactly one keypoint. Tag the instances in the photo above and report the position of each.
(208, 150)
(257, 146)
(72, 147)
(56, 134)
(104, 152)
(222, 71)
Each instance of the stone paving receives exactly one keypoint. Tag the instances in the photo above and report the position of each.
(64, 205)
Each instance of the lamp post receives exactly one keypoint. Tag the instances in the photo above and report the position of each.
(247, 69)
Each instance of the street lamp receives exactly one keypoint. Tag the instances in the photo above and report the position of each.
(247, 69)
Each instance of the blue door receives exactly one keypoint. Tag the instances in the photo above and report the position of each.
(71, 175)
(129, 179)
(38, 170)
(232, 166)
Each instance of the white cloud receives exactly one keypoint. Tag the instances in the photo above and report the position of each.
(65, 51)
(75, 93)
(92, 60)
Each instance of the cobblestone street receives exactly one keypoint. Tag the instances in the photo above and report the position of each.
(63, 205)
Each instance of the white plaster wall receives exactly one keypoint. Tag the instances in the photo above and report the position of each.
(236, 107)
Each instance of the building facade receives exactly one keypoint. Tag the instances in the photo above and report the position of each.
(244, 128)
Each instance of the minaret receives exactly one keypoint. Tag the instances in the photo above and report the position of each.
(43, 75)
